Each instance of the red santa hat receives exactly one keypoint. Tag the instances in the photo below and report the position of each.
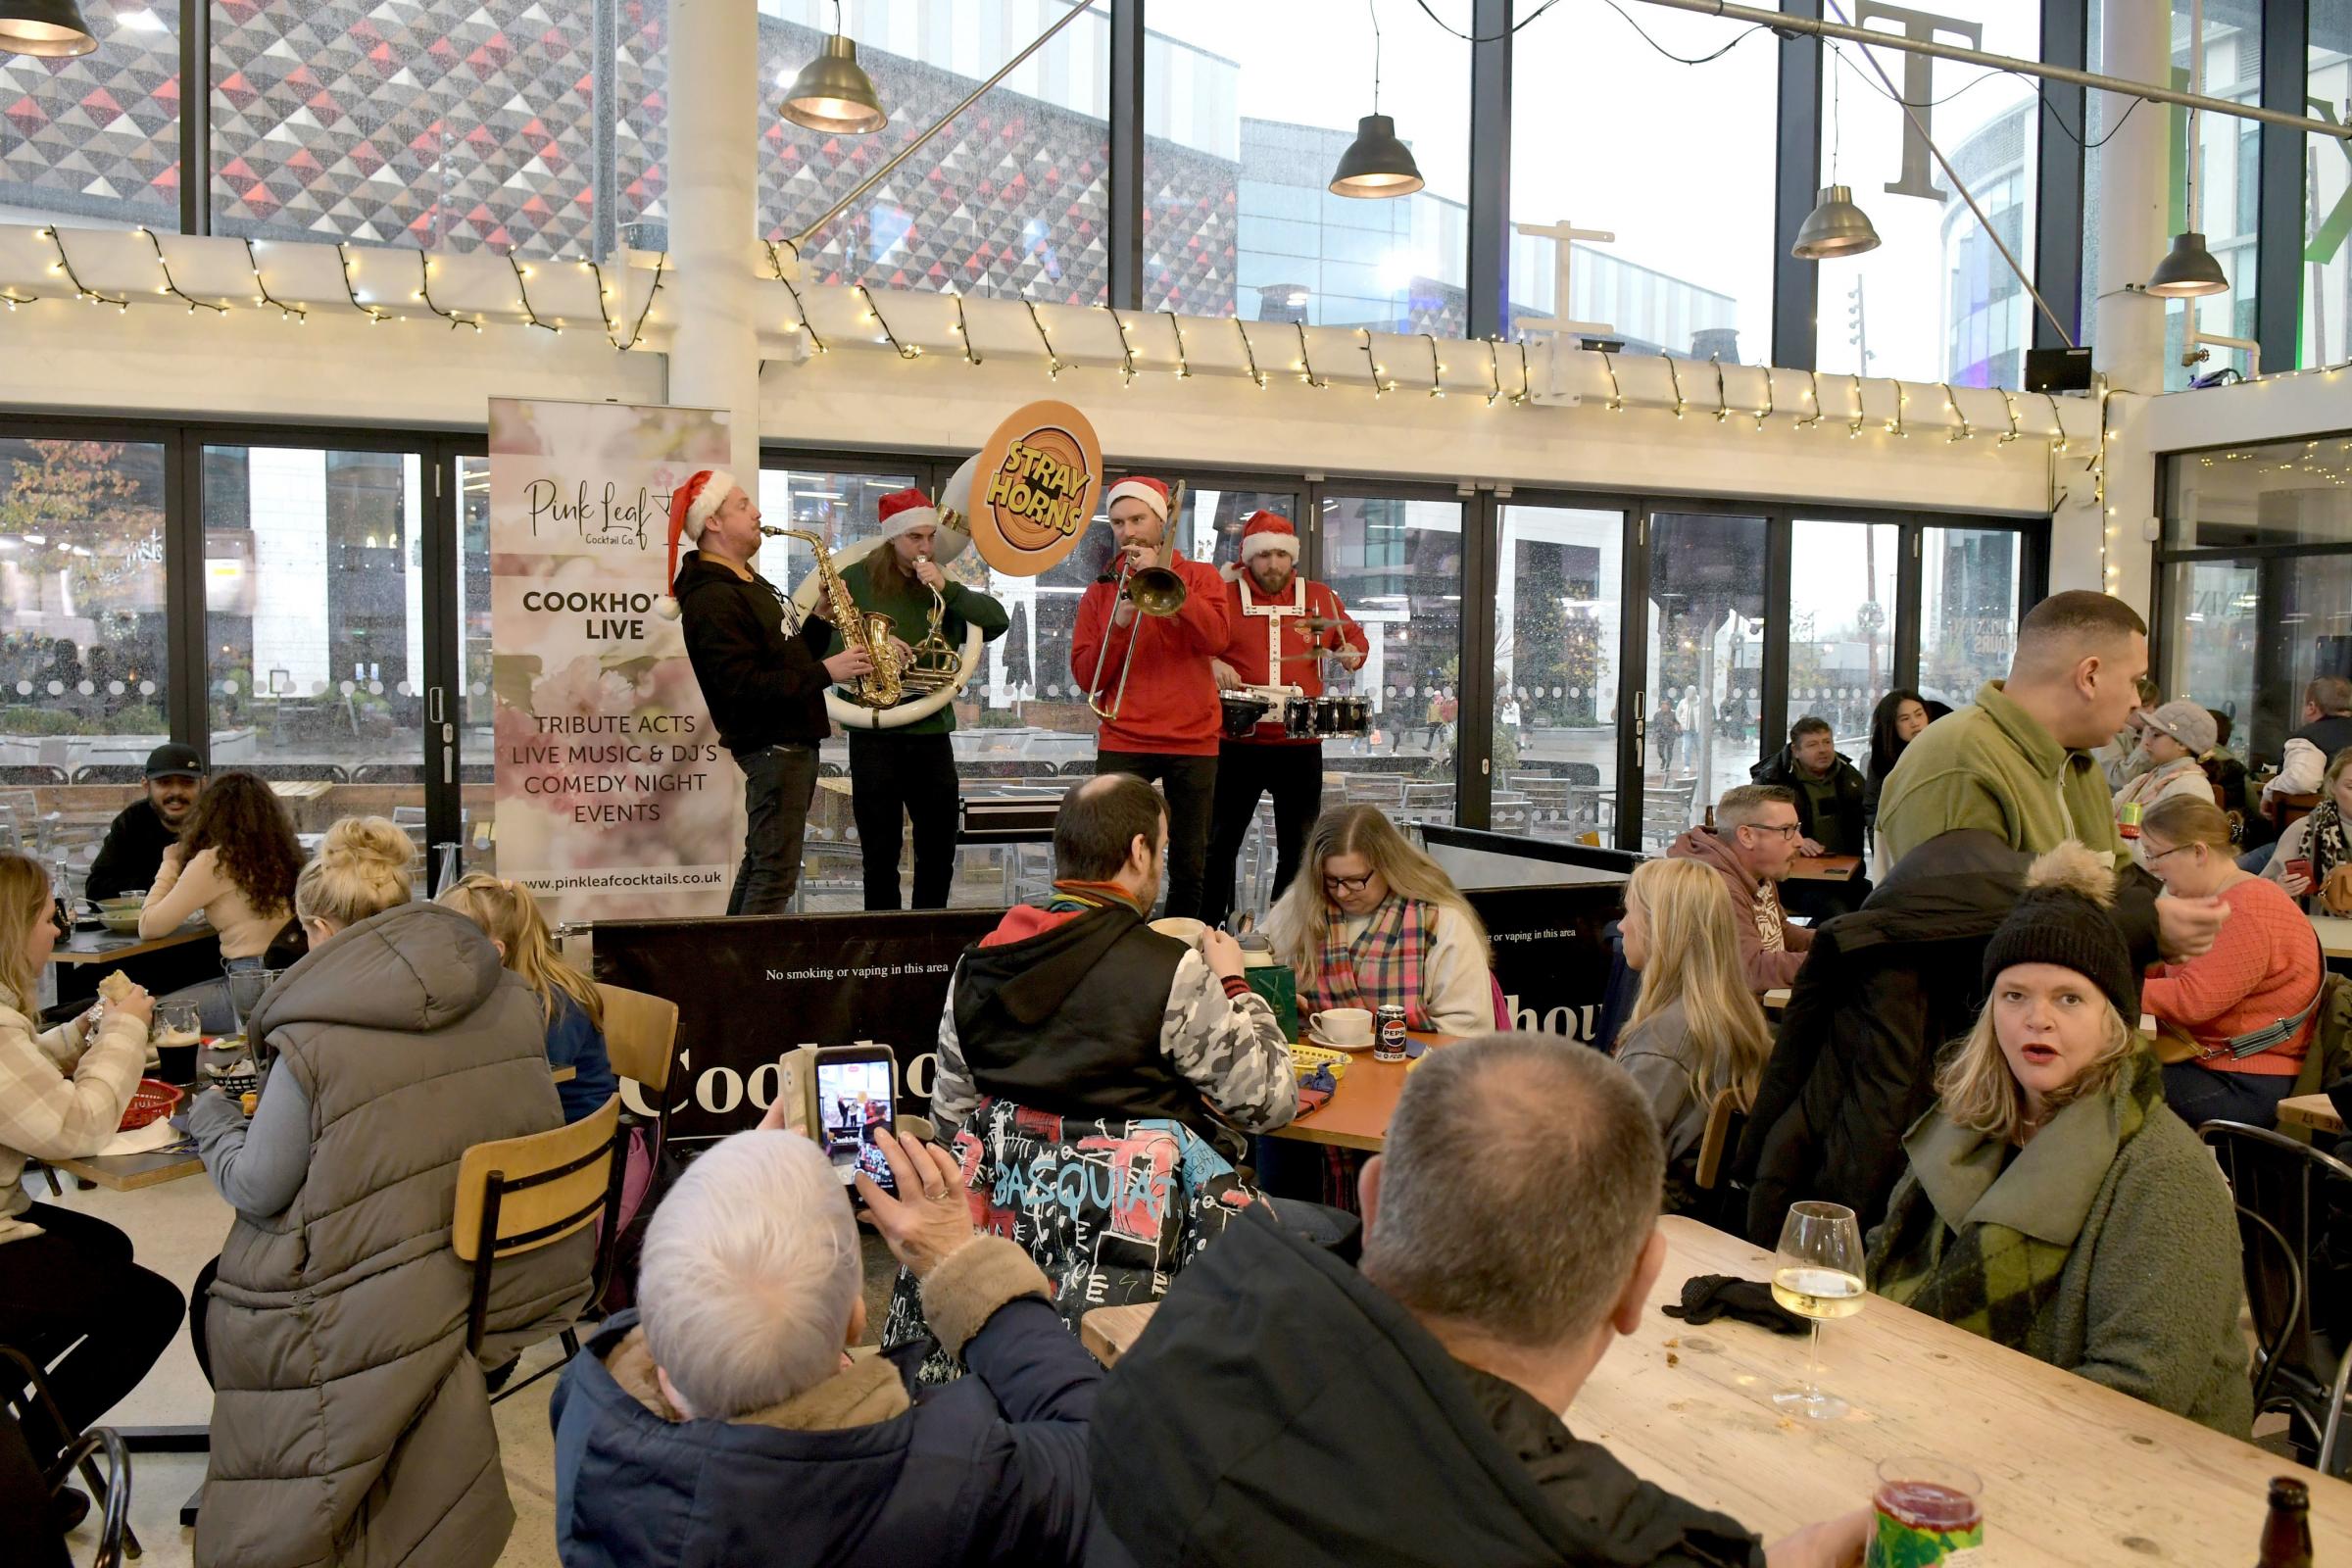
(691, 506)
(903, 509)
(1150, 492)
(1265, 532)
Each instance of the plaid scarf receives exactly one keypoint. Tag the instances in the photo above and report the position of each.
(1379, 967)
(1987, 1279)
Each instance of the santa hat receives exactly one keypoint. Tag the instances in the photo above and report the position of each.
(1150, 492)
(1267, 531)
(691, 506)
(903, 509)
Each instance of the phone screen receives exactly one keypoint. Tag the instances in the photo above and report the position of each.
(853, 1098)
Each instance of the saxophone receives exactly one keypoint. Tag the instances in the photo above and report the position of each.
(885, 685)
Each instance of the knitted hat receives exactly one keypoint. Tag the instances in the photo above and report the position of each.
(903, 509)
(691, 506)
(2062, 918)
(2184, 721)
(1268, 531)
(1150, 492)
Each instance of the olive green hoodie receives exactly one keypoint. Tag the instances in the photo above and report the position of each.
(1994, 766)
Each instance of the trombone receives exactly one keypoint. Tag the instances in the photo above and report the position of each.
(1154, 590)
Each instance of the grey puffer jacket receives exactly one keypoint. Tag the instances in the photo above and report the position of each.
(349, 1424)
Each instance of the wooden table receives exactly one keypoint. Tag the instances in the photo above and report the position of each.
(2335, 935)
(104, 947)
(2311, 1110)
(2073, 1473)
(1356, 1116)
(128, 1173)
(1825, 868)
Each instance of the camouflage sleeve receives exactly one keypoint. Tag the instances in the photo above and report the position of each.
(1229, 1048)
(954, 1095)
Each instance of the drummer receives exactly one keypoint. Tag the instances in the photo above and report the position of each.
(1283, 628)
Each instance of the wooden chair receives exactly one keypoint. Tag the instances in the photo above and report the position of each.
(517, 1195)
(1715, 1139)
(1717, 1203)
(641, 1038)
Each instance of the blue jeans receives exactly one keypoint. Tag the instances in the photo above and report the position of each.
(2199, 1095)
(2257, 858)
(778, 782)
(235, 966)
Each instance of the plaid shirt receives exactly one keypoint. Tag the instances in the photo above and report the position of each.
(60, 1096)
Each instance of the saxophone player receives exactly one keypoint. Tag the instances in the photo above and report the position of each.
(762, 677)
(911, 767)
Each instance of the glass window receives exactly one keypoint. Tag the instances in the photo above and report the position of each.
(2210, 646)
(1934, 302)
(2280, 493)
(1397, 565)
(839, 508)
(1968, 585)
(1556, 664)
(2327, 188)
(82, 686)
(1237, 127)
(94, 141)
(477, 741)
(1012, 199)
(1841, 602)
(437, 126)
(1210, 525)
(1690, 197)
(323, 676)
(1706, 666)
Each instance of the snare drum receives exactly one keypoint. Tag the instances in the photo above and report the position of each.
(1299, 719)
(1356, 715)
(1327, 716)
(1241, 715)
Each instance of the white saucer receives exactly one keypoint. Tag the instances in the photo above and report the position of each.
(1314, 1039)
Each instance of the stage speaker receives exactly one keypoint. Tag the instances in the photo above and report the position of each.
(2058, 369)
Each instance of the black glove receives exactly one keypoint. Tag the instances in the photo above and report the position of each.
(1708, 1297)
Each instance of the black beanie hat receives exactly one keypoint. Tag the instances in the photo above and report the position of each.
(2062, 918)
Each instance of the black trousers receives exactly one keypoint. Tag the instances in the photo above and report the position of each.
(1189, 784)
(778, 783)
(1245, 770)
(72, 1300)
(916, 774)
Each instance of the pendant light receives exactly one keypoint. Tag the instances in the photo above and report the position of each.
(2188, 271)
(832, 92)
(1835, 226)
(1376, 164)
(46, 29)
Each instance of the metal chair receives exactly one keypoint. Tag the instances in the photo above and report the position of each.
(2291, 1204)
(26, 1389)
(517, 1195)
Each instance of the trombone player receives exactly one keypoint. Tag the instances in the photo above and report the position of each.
(1147, 674)
(911, 768)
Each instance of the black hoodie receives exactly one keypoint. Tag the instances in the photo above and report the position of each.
(763, 686)
(1282, 1410)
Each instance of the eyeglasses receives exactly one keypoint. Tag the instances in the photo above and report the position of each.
(2159, 855)
(1348, 884)
(1787, 830)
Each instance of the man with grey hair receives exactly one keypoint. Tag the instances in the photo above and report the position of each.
(723, 1420)
(1752, 846)
(1285, 1408)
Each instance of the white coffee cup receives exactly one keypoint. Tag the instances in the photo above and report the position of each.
(1341, 1026)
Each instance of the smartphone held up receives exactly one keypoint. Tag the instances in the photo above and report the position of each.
(856, 1093)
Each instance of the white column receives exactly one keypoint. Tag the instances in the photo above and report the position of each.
(714, 144)
(2128, 330)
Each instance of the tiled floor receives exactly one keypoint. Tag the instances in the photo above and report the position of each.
(175, 1229)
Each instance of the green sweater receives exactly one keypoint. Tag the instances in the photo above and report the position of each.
(2148, 1299)
(910, 616)
(1993, 766)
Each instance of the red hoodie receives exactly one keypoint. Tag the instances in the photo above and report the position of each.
(1171, 707)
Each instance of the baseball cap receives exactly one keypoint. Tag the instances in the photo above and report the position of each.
(175, 761)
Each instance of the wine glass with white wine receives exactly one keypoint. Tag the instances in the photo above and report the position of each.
(1817, 1274)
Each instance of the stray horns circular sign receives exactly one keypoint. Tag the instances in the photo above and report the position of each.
(1035, 488)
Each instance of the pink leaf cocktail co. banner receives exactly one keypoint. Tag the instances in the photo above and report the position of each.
(615, 797)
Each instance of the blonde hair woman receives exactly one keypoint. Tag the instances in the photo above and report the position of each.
(65, 1276)
(2054, 1203)
(1371, 920)
(361, 1426)
(1695, 1031)
(569, 1002)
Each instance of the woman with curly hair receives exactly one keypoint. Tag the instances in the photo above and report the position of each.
(236, 861)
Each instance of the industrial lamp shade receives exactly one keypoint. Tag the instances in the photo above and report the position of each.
(1835, 226)
(1375, 163)
(50, 30)
(832, 92)
(2188, 271)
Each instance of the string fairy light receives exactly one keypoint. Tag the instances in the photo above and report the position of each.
(1680, 406)
(1249, 354)
(1377, 388)
(1896, 425)
(1307, 364)
(2059, 421)
(65, 264)
(2009, 403)
(1053, 360)
(1770, 406)
(1860, 409)
(373, 315)
(1437, 369)
(1616, 392)
(1951, 405)
(522, 287)
(637, 332)
(1126, 351)
(963, 330)
(425, 292)
(1527, 387)
(1183, 368)
(1494, 370)
(299, 313)
(874, 312)
(1807, 424)
(1723, 403)
(171, 286)
(799, 304)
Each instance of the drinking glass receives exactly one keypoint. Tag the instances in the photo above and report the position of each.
(180, 1023)
(1817, 1274)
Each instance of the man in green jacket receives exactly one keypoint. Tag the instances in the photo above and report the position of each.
(910, 768)
(2018, 762)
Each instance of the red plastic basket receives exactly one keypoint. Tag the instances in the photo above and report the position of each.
(150, 1101)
